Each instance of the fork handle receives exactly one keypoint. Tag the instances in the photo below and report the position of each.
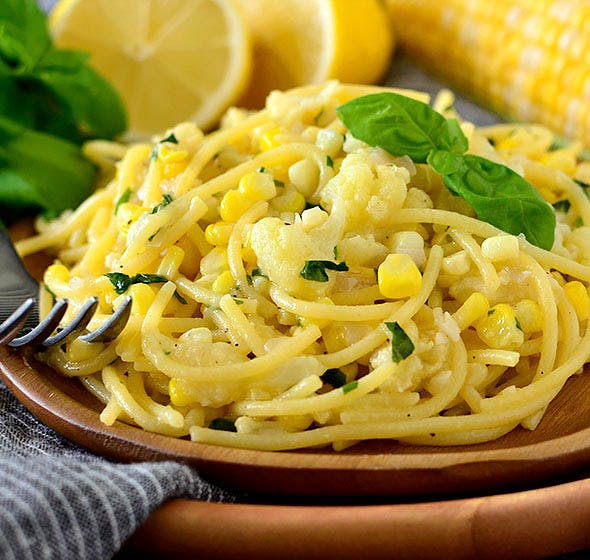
(16, 284)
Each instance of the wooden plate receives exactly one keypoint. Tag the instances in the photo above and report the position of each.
(560, 444)
(523, 525)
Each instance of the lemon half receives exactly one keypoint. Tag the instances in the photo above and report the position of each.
(298, 42)
(171, 60)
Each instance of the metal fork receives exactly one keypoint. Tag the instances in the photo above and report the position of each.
(19, 290)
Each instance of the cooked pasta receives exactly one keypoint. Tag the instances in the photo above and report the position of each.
(293, 286)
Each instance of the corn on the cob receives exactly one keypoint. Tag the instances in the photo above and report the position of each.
(529, 59)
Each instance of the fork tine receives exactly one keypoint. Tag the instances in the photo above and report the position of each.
(13, 324)
(113, 326)
(77, 325)
(44, 328)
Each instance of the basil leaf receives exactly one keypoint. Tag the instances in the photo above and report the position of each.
(401, 126)
(504, 199)
(444, 162)
(224, 424)
(401, 344)
(316, 270)
(23, 35)
(94, 105)
(40, 172)
(166, 199)
(334, 377)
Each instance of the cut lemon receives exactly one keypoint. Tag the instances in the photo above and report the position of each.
(299, 42)
(171, 60)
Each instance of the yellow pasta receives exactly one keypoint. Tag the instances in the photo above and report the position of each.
(293, 286)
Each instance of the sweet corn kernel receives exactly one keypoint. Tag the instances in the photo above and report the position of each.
(143, 296)
(56, 274)
(127, 214)
(174, 168)
(499, 329)
(474, 307)
(398, 276)
(304, 175)
(529, 315)
(224, 283)
(329, 141)
(291, 201)
(169, 154)
(268, 140)
(218, 233)
(258, 186)
(180, 392)
(233, 204)
(577, 294)
(457, 264)
(500, 247)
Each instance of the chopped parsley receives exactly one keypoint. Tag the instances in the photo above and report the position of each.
(401, 344)
(166, 199)
(318, 116)
(180, 298)
(125, 196)
(261, 169)
(121, 282)
(582, 184)
(224, 424)
(329, 162)
(278, 183)
(518, 325)
(350, 386)
(151, 237)
(257, 272)
(334, 377)
(316, 270)
(491, 311)
(310, 205)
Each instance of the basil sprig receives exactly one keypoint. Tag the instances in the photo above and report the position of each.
(499, 196)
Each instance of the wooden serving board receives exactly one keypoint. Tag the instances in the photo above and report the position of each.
(560, 445)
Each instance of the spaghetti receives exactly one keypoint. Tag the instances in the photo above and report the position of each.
(294, 287)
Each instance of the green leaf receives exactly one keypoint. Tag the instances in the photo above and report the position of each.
(224, 424)
(329, 161)
(444, 162)
(166, 199)
(504, 199)
(95, 106)
(316, 270)
(401, 344)
(121, 282)
(125, 196)
(41, 172)
(23, 36)
(401, 126)
(334, 377)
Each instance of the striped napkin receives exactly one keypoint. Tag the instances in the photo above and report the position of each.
(60, 501)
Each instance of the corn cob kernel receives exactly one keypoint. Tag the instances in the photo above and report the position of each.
(218, 233)
(474, 307)
(499, 328)
(398, 276)
(224, 283)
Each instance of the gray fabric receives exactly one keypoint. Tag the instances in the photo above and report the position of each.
(59, 501)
